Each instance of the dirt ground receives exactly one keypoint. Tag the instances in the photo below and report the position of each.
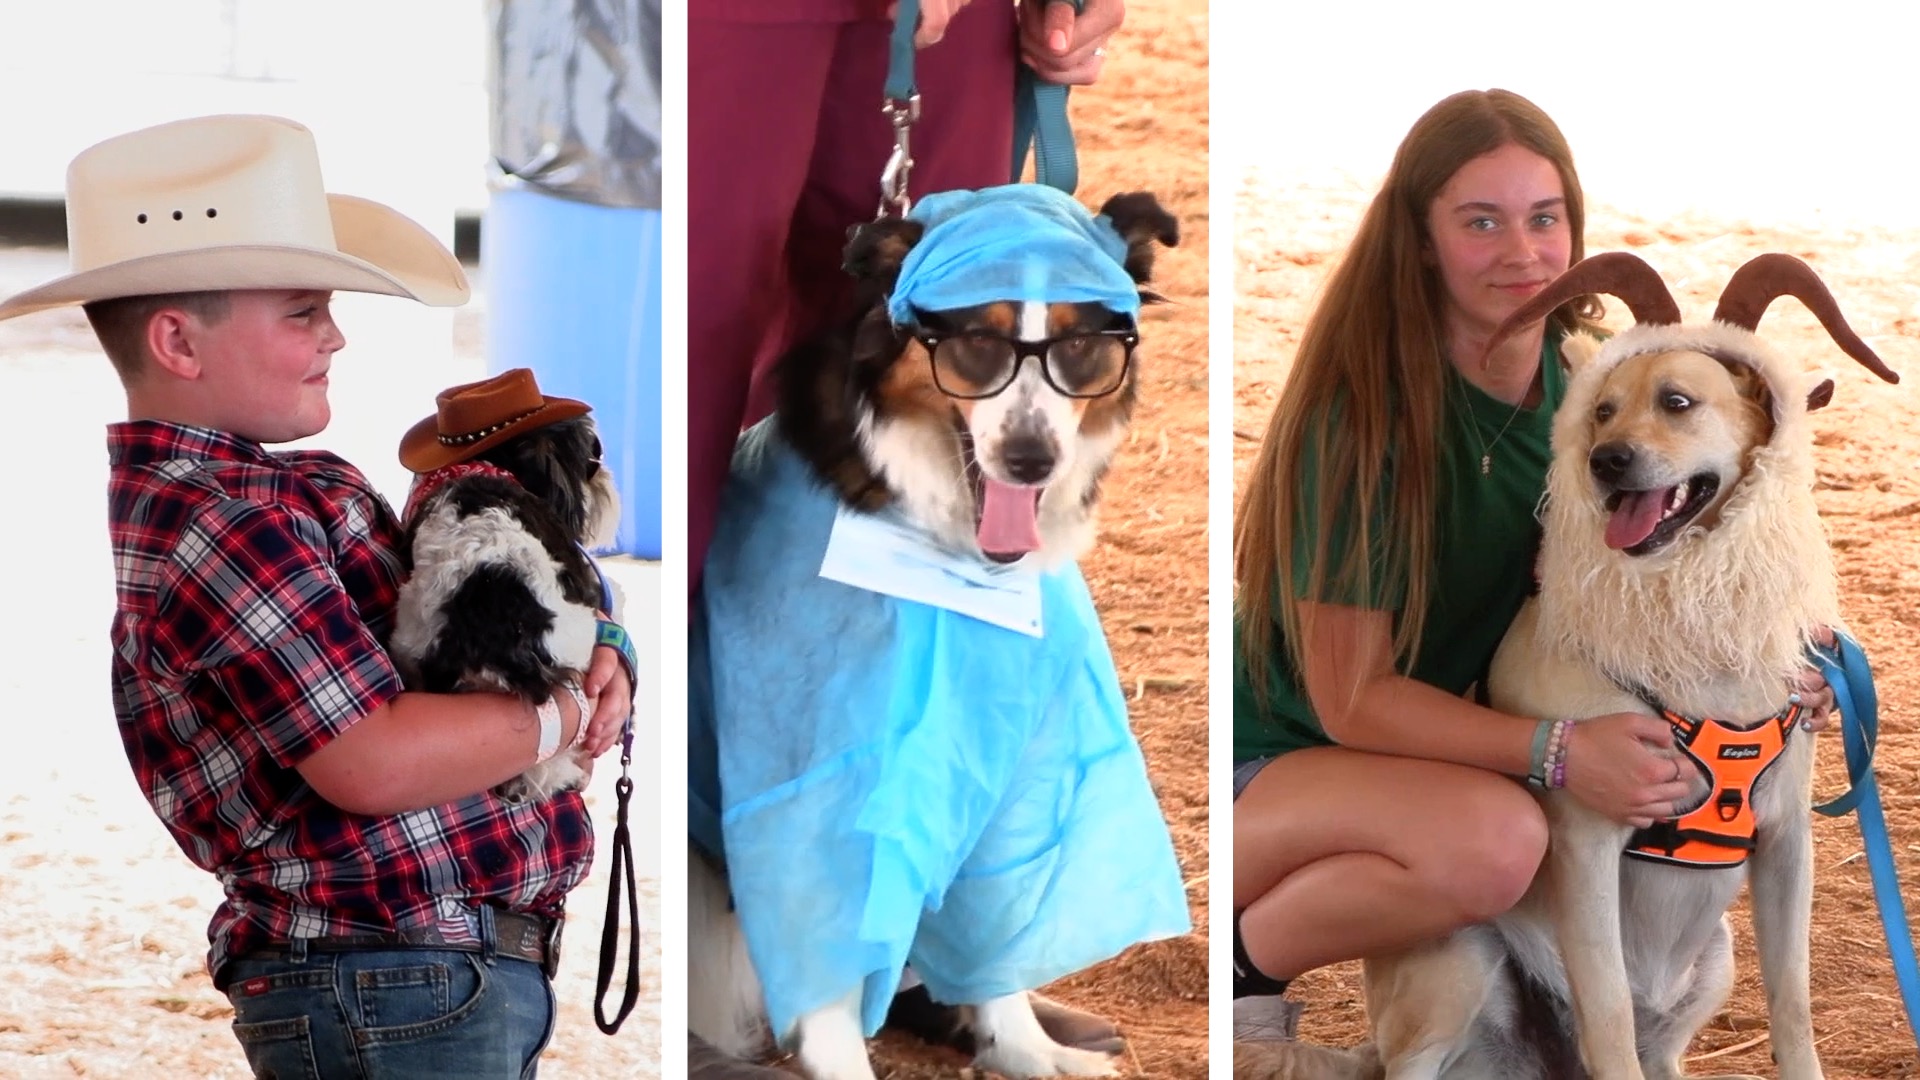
(1144, 127)
(1287, 239)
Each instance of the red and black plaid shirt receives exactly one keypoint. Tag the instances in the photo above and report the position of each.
(255, 591)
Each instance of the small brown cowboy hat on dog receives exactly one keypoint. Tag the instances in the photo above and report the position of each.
(472, 418)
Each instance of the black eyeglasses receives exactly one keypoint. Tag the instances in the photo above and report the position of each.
(980, 364)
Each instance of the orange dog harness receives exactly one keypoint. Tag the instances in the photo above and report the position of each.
(1720, 831)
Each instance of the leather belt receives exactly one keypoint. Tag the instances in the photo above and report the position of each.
(524, 936)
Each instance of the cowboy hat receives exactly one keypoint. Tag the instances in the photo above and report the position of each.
(231, 202)
(472, 418)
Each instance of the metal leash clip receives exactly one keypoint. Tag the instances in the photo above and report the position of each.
(894, 200)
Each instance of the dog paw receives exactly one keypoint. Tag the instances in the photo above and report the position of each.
(1020, 1062)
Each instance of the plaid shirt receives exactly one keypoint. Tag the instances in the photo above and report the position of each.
(255, 590)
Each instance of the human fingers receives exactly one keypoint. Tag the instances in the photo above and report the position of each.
(611, 712)
(1650, 730)
(934, 17)
(1824, 635)
(600, 669)
(1095, 23)
(1084, 72)
(1080, 63)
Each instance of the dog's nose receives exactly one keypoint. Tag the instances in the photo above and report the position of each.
(1027, 458)
(1610, 461)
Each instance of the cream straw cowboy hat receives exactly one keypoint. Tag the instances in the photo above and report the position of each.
(231, 202)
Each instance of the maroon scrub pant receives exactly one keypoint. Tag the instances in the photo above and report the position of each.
(785, 143)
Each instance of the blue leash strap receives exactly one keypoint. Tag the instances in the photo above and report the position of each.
(1847, 672)
(1040, 121)
(900, 84)
(1039, 110)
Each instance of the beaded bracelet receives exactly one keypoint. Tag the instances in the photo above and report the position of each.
(1556, 760)
(1547, 759)
(1537, 774)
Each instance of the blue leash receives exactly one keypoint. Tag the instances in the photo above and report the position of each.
(1039, 117)
(1846, 671)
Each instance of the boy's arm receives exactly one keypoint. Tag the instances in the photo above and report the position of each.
(250, 601)
(419, 750)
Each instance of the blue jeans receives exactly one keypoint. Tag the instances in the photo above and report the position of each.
(387, 1014)
(1245, 771)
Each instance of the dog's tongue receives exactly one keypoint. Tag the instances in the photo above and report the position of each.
(1009, 518)
(1636, 517)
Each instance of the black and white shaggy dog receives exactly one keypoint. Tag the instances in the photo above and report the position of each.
(501, 593)
(942, 421)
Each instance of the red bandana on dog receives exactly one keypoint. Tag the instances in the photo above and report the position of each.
(426, 483)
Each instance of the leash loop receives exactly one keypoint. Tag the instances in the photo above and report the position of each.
(622, 869)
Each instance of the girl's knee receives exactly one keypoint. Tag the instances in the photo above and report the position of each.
(1493, 853)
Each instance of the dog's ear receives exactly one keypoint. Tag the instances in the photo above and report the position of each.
(1576, 350)
(1821, 395)
(1752, 385)
(876, 249)
(1140, 220)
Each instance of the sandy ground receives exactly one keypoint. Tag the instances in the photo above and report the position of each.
(1288, 236)
(102, 958)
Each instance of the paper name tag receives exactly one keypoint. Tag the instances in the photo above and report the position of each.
(883, 555)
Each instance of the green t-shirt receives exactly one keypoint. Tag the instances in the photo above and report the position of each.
(1483, 561)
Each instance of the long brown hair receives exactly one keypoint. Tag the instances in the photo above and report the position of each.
(1371, 365)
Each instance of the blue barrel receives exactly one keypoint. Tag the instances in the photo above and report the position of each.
(573, 292)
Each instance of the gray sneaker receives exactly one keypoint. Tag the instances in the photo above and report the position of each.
(1265, 1019)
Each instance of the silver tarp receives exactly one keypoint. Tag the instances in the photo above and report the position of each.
(575, 88)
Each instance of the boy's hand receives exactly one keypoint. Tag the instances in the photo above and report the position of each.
(610, 696)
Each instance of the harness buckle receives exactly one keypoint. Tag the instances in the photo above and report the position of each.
(902, 114)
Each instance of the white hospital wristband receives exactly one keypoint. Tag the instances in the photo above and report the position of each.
(549, 713)
(580, 705)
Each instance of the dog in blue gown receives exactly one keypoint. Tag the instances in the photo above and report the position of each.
(908, 743)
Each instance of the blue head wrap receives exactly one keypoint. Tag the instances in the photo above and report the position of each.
(1013, 242)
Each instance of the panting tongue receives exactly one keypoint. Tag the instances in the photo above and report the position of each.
(1009, 518)
(1636, 517)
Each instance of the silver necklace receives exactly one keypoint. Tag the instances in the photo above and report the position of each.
(1486, 448)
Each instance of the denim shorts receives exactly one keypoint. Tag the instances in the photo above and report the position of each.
(1244, 772)
(387, 1014)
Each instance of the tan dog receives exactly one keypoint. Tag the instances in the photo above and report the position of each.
(1683, 563)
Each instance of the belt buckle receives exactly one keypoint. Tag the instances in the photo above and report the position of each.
(550, 961)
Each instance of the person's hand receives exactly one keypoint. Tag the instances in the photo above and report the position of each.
(1624, 766)
(1816, 697)
(1064, 46)
(609, 697)
(934, 17)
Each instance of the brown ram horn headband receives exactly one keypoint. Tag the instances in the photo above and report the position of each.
(1615, 273)
(1765, 278)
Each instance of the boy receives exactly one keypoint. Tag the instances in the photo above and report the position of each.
(386, 915)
